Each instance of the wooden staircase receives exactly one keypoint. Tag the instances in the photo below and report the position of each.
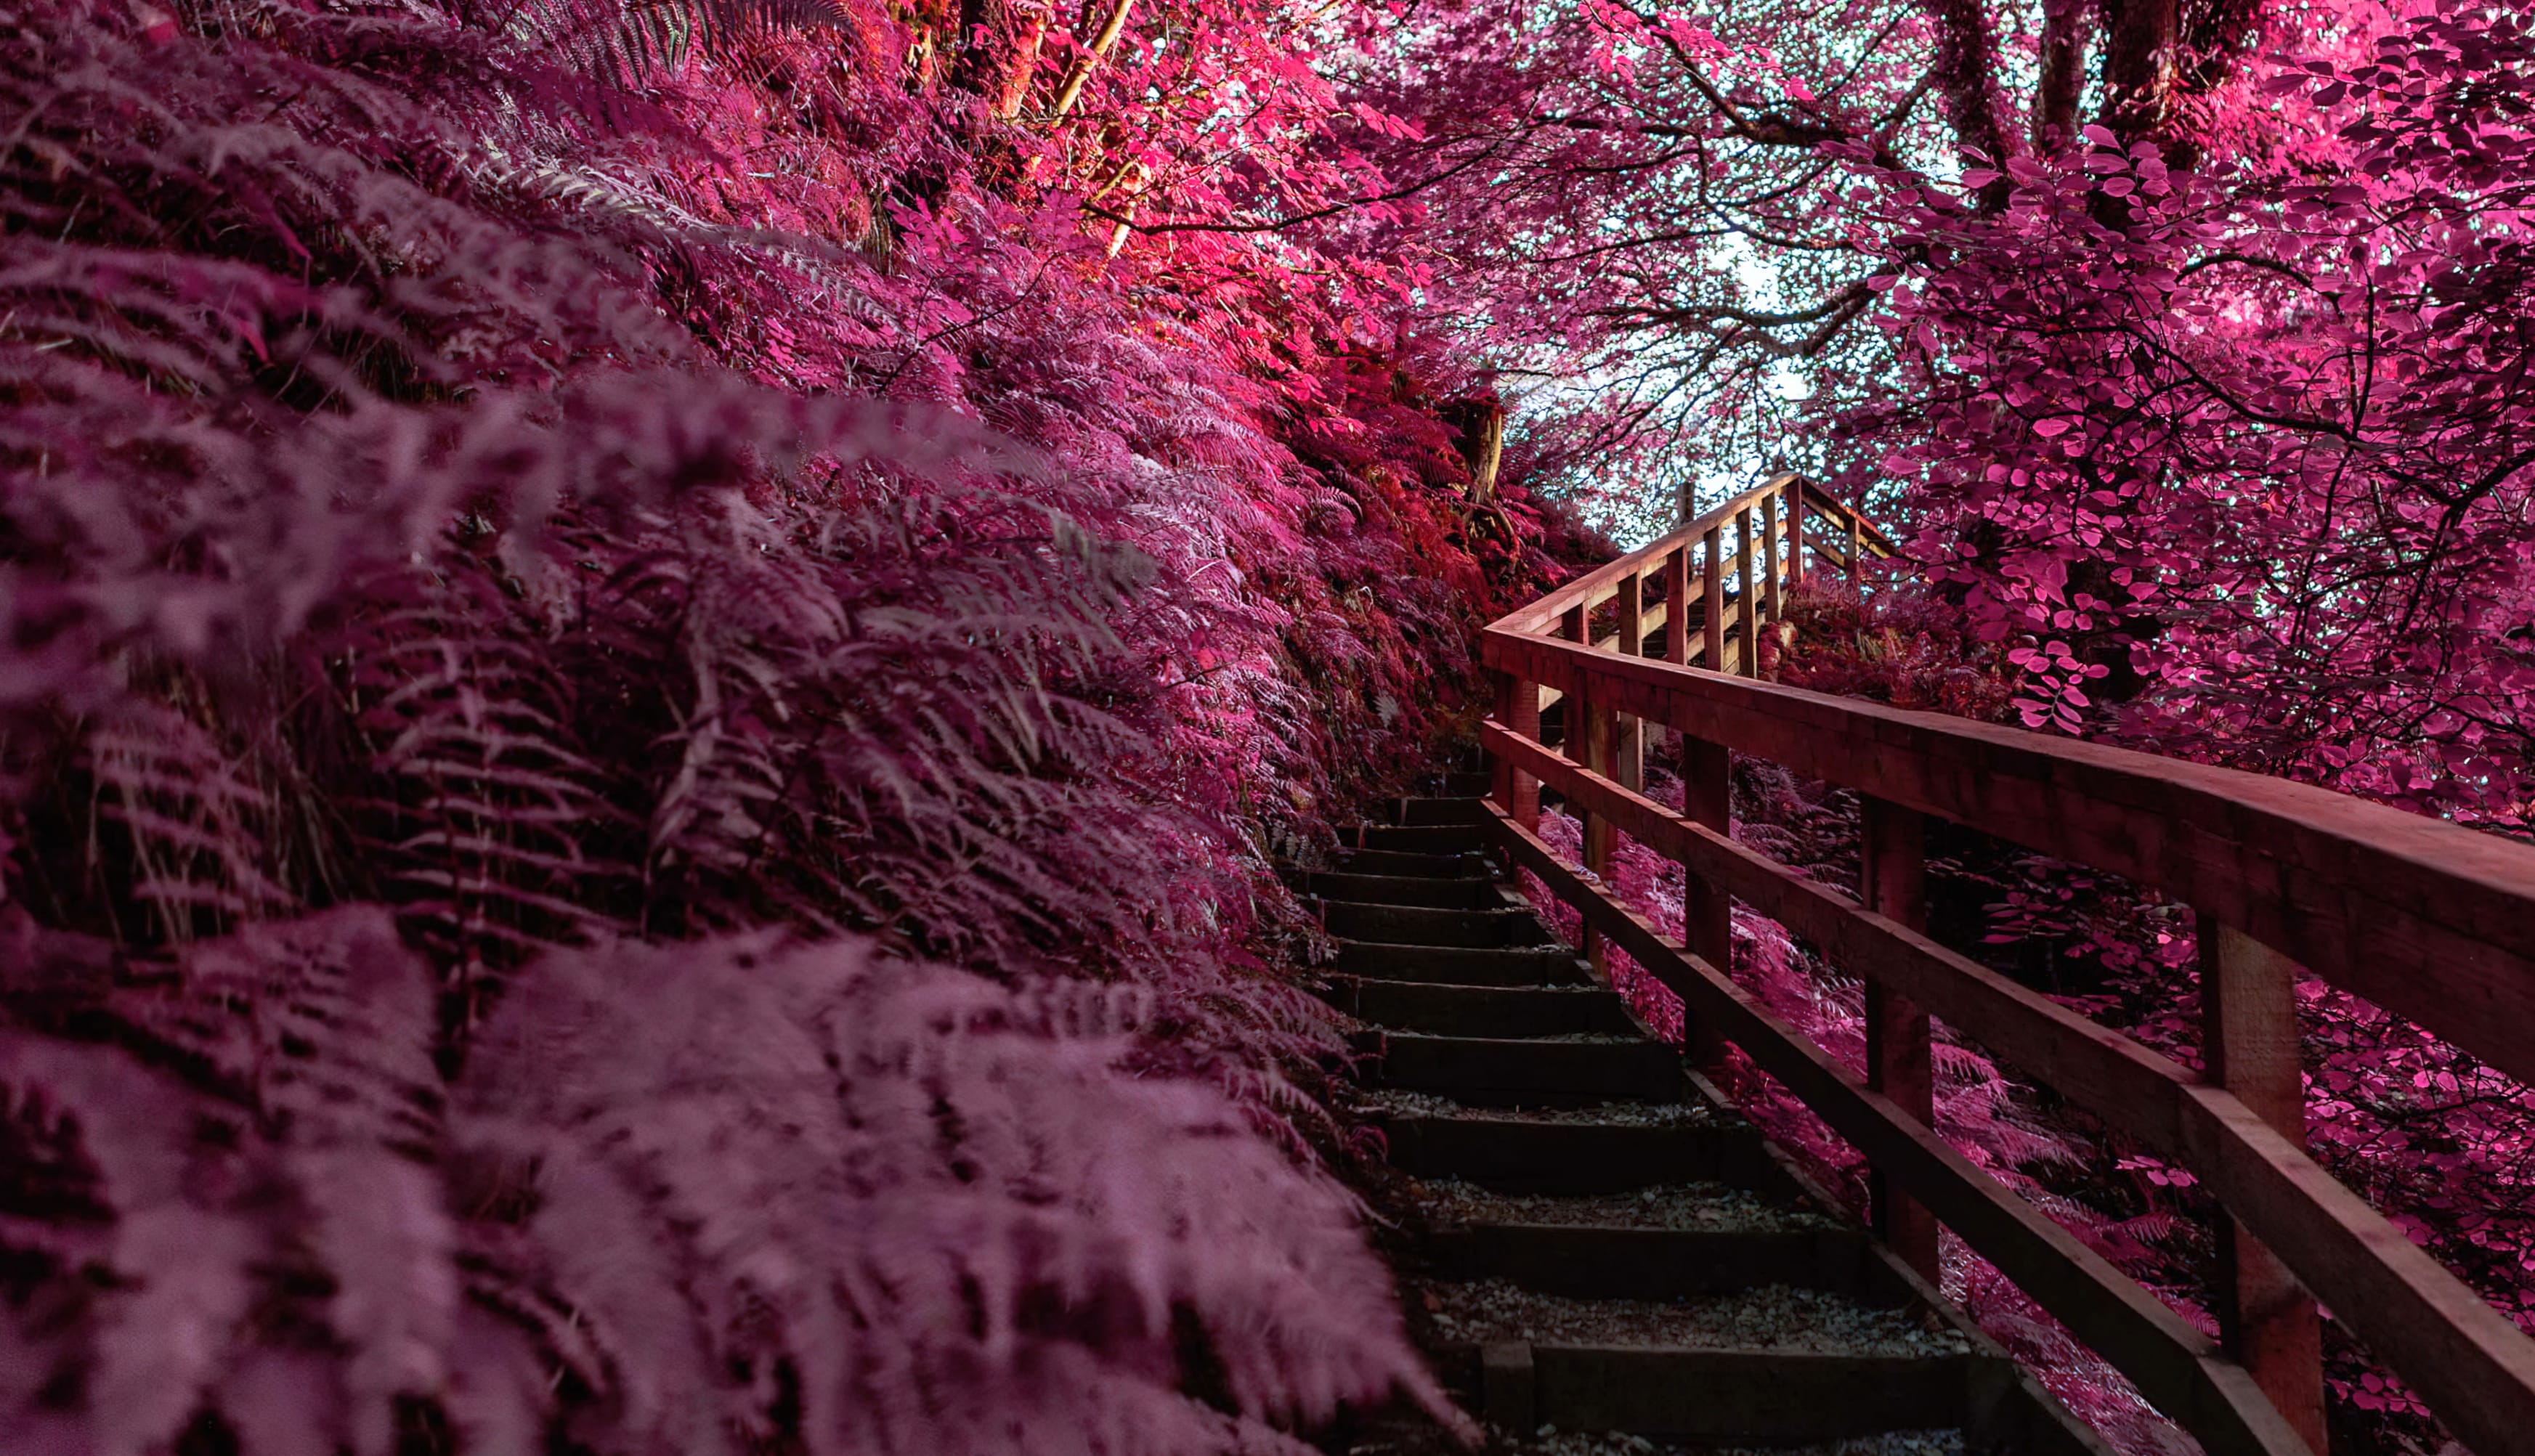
(1603, 1246)
(1609, 1247)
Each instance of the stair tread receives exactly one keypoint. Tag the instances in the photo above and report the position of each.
(1778, 1320)
(1494, 929)
(1397, 1105)
(1411, 892)
(1449, 1008)
(1670, 1210)
(1410, 864)
(1459, 965)
(1558, 1071)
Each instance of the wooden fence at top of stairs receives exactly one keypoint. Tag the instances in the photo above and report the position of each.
(2434, 922)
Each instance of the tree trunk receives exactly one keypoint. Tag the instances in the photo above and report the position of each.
(2138, 66)
(2064, 74)
(1966, 70)
(1070, 90)
(1483, 447)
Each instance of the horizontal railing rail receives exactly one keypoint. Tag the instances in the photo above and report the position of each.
(2432, 920)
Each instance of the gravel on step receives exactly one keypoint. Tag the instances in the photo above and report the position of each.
(1771, 1317)
(1402, 1102)
(1692, 1206)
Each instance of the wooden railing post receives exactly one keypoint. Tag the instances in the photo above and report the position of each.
(1589, 746)
(1747, 629)
(1676, 590)
(1518, 709)
(1856, 550)
(2250, 1045)
(1796, 530)
(1892, 873)
(1628, 731)
(1769, 562)
(1712, 597)
(1707, 911)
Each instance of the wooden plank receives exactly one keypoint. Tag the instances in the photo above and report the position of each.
(2427, 919)
(1628, 731)
(1770, 604)
(1745, 1397)
(2250, 1045)
(1675, 611)
(1706, 903)
(1711, 587)
(1598, 584)
(1588, 748)
(1899, 1055)
(1796, 532)
(2469, 1361)
(1515, 791)
(2179, 1369)
(2135, 1088)
(1746, 626)
(1849, 519)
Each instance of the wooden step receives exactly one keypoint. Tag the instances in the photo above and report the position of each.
(1519, 1155)
(1405, 864)
(1402, 889)
(1445, 1009)
(1462, 965)
(1421, 839)
(1460, 810)
(1740, 1397)
(1497, 1071)
(1412, 925)
(1654, 1263)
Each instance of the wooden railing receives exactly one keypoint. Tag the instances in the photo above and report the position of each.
(2431, 921)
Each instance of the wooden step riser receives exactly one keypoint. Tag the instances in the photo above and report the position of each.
(1410, 925)
(1418, 838)
(1579, 1159)
(1503, 1073)
(1745, 1397)
(1400, 890)
(1438, 811)
(1460, 966)
(1630, 1264)
(1499, 1011)
(1404, 864)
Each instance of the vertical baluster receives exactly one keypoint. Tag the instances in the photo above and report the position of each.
(1769, 560)
(1856, 550)
(1571, 709)
(2250, 1045)
(1676, 590)
(1628, 730)
(1589, 746)
(1711, 595)
(1518, 709)
(1796, 530)
(1747, 629)
(1893, 876)
(1706, 778)
(1707, 911)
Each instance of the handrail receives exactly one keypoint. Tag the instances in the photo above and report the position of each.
(2432, 920)
(1600, 583)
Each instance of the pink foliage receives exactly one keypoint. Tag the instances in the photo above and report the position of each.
(644, 696)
